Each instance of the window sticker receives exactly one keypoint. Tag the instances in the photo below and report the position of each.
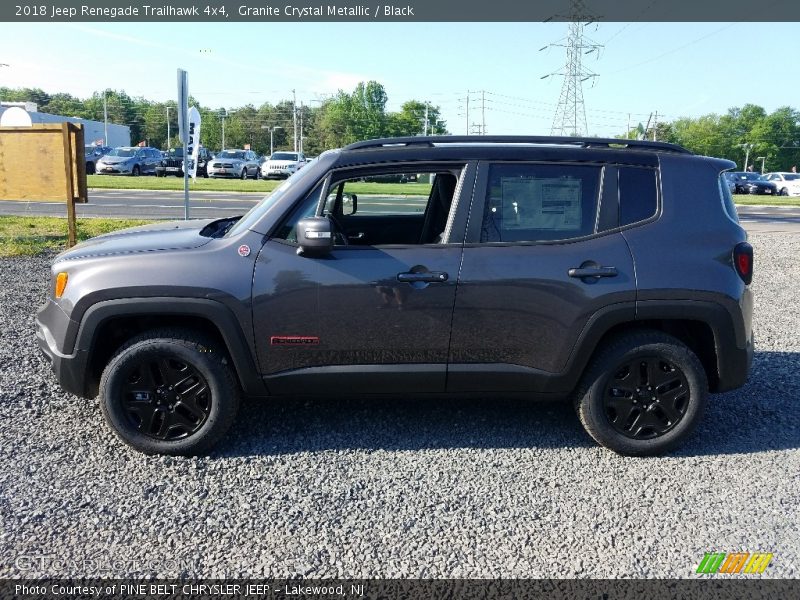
(539, 203)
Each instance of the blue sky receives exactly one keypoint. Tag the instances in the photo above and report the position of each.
(677, 69)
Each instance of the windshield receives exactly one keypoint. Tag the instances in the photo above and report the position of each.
(175, 152)
(231, 154)
(124, 152)
(304, 177)
(283, 156)
(792, 176)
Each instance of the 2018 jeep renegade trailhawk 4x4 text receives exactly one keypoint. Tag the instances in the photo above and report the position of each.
(611, 272)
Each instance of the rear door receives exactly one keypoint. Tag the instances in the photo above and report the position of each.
(543, 258)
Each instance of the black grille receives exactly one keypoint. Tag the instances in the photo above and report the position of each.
(174, 163)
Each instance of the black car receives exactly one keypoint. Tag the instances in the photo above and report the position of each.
(748, 182)
(172, 163)
(610, 273)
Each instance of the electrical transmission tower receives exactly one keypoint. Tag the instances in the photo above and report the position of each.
(570, 117)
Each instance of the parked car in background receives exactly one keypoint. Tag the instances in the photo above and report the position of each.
(394, 178)
(172, 163)
(129, 160)
(234, 163)
(282, 165)
(730, 180)
(747, 182)
(92, 154)
(788, 184)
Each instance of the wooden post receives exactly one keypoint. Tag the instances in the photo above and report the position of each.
(72, 237)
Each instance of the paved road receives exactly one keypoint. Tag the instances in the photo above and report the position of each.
(146, 204)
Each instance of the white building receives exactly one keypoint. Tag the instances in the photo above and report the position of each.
(16, 115)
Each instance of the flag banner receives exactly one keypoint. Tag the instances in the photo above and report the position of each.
(193, 148)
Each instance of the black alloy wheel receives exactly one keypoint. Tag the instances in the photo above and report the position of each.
(170, 391)
(643, 393)
(645, 397)
(166, 398)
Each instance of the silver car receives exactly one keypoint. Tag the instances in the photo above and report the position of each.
(129, 160)
(239, 164)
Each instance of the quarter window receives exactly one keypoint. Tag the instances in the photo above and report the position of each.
(638, 194)
(529, 203)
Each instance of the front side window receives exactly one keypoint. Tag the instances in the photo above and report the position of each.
(537, 202)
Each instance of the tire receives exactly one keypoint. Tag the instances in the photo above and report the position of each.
(161, 421)
(257, 176)
(783, 192)
(90, 168)
(632, 424)
(244, 174)
(136, 171)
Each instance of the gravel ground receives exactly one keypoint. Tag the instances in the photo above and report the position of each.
(411, 489)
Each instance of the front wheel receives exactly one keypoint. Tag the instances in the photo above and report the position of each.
(244, 174)
(783, 192)
(135, 172)
(643, 394)
(169, 392)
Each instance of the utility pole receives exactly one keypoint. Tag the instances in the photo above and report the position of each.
(655, 126)
(425, 128)
(294, 117)
(628, 130)
(570, 115)
(747, 148)
(301, 126)
(467, 112)
(105, 117)
(168, 107)
(224, 114)
(483, 112)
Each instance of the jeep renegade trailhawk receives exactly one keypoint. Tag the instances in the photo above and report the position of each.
(612, 272)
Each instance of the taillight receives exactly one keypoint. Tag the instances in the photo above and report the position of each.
(743, 261)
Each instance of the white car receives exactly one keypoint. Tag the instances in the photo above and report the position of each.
(282, 165)
(788, 183)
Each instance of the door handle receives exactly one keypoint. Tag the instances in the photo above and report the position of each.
(591, 272)
(426, 277)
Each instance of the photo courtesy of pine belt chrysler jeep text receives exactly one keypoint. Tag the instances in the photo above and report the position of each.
(612, 273)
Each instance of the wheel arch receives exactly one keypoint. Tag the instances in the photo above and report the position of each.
(107, 325)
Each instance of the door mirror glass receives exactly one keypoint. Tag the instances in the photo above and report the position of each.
(314, 236)
(349, 204)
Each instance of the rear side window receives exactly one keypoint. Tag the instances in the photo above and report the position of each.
(529, 203)
(727, 198)
(638, 194)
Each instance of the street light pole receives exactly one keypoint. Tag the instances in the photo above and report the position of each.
(168, 107)
(271, 131)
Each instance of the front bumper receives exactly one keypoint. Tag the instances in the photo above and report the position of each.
(69, 369)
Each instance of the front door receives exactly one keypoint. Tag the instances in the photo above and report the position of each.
(373, 316)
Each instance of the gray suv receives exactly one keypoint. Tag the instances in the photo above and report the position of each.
(610, 272)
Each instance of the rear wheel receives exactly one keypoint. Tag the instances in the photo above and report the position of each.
(136, 171)
(783, 192)
(643, 394)
(169, 392)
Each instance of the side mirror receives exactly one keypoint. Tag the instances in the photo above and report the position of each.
(349, 204)
(314, 236)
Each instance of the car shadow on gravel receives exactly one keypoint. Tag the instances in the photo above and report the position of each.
(761, 416)
(294, 425)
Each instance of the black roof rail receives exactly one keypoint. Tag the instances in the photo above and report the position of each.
(584, 142)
